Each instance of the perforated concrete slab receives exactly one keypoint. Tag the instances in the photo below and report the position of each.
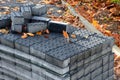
(62, 58)
(52, 57)
(24, 44)
(40, 49)
(5, 21)
(9, 39)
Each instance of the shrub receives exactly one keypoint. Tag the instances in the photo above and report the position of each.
(115, 1)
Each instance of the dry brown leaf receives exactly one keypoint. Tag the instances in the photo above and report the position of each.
(39, 33)
(4, 31)
(30, 34)
(24, 36)
(73, 35)
(65, 34)
(47, 31)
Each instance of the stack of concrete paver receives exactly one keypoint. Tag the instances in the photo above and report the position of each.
(88, 56)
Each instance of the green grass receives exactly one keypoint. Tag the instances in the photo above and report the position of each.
(115, 1)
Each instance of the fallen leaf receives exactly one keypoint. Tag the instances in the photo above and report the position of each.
(39, 33)
(95, 23)
(65, 34)
(47, 31)
(59, 11)
(30, 34)
(73, 35)
(107, 32)
(4, 31)
(24, 36)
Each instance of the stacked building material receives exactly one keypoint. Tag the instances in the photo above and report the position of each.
(21, 21)
(87, 57)
(5, 21)
(39, 10)
(17, 21)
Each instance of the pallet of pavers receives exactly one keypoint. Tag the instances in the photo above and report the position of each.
(86, 56)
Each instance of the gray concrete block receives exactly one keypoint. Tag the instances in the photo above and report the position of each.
(37, 53)
(39, 9)
(23, 72)
(87, 77)
(22, 47)
(111, 56)
(42, 63)
(7, 72)
(60, 63)
(40, 49)
(17, 28)
(80, 63)
(64, 53)
(96, 72)
(22, 56)
(8, 64)
(23, 64)
(40, 19)
(73, 59)
(105, 59)
(87, 53)
(29, 4)
(82, 78)
(80, 72)
(24, 44)
(99, 77)
(87, 68)
(48, 74)
(110, 78)
(73, 66)
(9, 39)
(48, 78)
(5, 21)
(81, 57)
(97, 55)
(58, 27)
(37, 77)
(106, 51)
(87, 60)
(96, 63)
(70, 29)
(17, 18)
(35, 27)
(111, 72)
(106, 67)
(92, 66)
(111, 64)
(9, 57)
(105, 75)
(26, 12)
(74, 77)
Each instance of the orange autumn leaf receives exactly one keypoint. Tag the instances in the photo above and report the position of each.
(65, 34)
(107, 32)
(30, 34)
(95, 23)
(39, 33)
(24, 36)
